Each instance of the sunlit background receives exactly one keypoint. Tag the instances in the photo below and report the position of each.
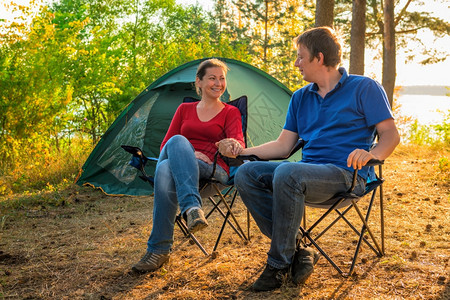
(426, 108)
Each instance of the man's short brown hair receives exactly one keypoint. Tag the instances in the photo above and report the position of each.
(324, 40)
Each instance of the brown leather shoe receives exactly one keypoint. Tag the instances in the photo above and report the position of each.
(303, 264)
(196, 220)
(270, 279)
(150, 262)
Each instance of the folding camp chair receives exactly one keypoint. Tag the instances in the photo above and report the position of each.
(208, 187)
(345, 201)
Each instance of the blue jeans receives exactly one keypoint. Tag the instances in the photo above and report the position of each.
(275, 194)
(177, 178)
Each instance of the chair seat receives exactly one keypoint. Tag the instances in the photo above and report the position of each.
(347, 197)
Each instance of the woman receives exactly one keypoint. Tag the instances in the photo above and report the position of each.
(187, 154)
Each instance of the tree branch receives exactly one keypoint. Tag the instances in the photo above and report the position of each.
(400, 15)
(397, 32)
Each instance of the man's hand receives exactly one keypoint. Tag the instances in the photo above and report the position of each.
(229, 147)
(358, 158)
(203, 157)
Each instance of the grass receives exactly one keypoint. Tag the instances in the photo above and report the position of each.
(78, 243)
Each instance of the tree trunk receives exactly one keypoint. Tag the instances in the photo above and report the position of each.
(324, 13)
(266, 34)
(357, 37)
(389, 63)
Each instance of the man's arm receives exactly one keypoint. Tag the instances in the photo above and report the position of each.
(388, 139)
(281, 147)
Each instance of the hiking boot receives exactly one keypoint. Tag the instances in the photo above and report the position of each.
(150, 262)
(270, 279)
(303, 264)
(196, 220)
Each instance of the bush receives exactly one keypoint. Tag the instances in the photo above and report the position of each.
(434, 135)
(36, 164)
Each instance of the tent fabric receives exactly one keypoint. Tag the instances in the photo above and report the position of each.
(144, 122)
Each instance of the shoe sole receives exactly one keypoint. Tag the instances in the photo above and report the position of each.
(197, 227)
(140, 271)
(306, 276)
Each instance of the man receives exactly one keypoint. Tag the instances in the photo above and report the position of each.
(338, 115)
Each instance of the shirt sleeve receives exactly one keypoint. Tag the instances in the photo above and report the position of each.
(233, 125)
(375, 103)
(292, 113)
(175, 126)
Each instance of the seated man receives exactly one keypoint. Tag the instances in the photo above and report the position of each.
(338, 115)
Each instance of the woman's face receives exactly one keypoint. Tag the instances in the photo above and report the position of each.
(213, 84)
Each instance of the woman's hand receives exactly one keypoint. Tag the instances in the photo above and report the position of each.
(229, 147)
(203, 157)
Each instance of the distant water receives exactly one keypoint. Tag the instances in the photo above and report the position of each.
(427, 109)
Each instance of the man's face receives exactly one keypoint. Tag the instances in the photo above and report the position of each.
(307, 67)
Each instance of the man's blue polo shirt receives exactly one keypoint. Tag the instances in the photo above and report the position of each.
(341, 122)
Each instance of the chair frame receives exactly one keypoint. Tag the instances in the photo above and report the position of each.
(306, 232)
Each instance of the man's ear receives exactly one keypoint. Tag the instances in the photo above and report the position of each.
(320, 58)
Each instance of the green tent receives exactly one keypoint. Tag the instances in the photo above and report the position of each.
(144, 122)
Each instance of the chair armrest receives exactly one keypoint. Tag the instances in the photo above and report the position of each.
(250, 157)
(374, 162)
(370, 163)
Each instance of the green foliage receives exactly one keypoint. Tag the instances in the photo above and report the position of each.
(438, 135)
(66, 75)
(408, 23)
(444, 165)
(443, 130)
(269, 28)
(39, 165)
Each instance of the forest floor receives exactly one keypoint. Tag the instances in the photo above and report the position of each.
(84, 248)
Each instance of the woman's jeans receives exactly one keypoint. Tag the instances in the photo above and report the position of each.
(275, 194)
(177, 177)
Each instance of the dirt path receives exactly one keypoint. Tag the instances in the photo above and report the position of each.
(84, 248)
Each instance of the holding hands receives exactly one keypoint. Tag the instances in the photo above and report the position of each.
(229, 147)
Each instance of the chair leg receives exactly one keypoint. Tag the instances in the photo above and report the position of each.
(364, 220)
(230, 211)
(248, 225)
(304, 222)
(356, 231)
(187, 234)
(240, 232)
(216, 206)
(306, 235)
(358, 247)
(382, 217)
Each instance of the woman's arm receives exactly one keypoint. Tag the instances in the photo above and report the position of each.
(234, 141)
